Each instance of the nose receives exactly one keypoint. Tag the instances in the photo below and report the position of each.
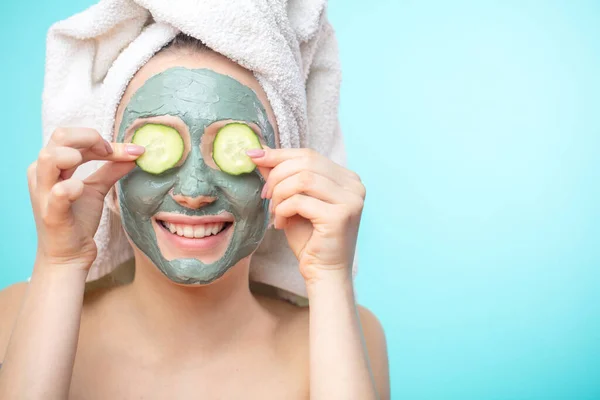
(193, 202)
(194, 188)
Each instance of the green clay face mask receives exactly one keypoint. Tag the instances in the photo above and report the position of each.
(199, 98)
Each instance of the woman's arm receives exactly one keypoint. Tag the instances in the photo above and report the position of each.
(41, 351)
(339, 366)
(318, 204)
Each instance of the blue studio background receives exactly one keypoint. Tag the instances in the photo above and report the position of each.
(475, 127)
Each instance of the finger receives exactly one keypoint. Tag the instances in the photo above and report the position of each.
(117, 152)
(264, 172)
(79, 138)
(305, 206)
(272, 157)
(31, 178)
(321, 166)
(121, 152)
(93, 145)
(61, 197)
(311, 184)
(51, 161)
(124, 152)
(31, 184)
(268, 157)
(107, 175)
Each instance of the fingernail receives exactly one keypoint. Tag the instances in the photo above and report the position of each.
(134, 149)
(255, 153)
(109, 148)
(264, 192)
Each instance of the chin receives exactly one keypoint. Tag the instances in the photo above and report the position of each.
(195, 251)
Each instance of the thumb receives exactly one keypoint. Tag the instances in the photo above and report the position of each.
(264, 171)
(107, 175)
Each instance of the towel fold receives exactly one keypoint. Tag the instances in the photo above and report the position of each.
(289, 45)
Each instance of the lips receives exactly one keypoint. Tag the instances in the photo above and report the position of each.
(198, 231)
(182, 219)
(193, 235)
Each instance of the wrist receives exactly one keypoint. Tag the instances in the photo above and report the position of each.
(47, 269)
(330, 280)
(46, 261)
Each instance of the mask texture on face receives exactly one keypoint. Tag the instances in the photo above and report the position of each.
(199, 97)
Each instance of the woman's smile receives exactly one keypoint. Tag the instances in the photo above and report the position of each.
(202, 237)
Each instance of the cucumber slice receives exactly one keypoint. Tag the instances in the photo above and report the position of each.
(230, 145)
(164, 147)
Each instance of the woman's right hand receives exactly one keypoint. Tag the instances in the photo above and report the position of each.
(67, 210)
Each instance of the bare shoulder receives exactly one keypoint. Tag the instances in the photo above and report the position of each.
(11, 299)
(294, 322)
(294, 319)
(376, 349)
(297, 319)
(372, 329)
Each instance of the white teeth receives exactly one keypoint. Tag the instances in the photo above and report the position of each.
(199, 231)
(194, 231)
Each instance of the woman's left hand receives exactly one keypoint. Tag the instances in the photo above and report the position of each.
(318, 204)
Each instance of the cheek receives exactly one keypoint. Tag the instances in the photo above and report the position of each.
(142, 193)
(243, 193)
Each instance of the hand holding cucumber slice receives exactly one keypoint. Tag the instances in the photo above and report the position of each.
(164, 147)
(230, 146)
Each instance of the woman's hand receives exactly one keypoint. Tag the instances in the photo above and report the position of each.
(318, 204)
(67, 210)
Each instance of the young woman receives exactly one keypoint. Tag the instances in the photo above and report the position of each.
(189, 324)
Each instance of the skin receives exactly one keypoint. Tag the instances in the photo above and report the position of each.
(158, 339)
(194, 99)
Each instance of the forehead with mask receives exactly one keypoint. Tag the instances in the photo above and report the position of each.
(193, 221)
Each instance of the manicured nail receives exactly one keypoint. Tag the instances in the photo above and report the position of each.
(264, 192)
(255, 153)
(109, 148)
(134, 149)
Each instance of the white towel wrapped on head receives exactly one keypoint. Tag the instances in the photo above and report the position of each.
(289, 45)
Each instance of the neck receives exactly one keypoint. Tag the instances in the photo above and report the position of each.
(209, 316)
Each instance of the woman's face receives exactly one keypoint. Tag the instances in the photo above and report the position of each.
(193, 221)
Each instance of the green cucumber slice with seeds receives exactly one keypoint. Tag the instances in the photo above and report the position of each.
(164, 147)
(230, 145)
